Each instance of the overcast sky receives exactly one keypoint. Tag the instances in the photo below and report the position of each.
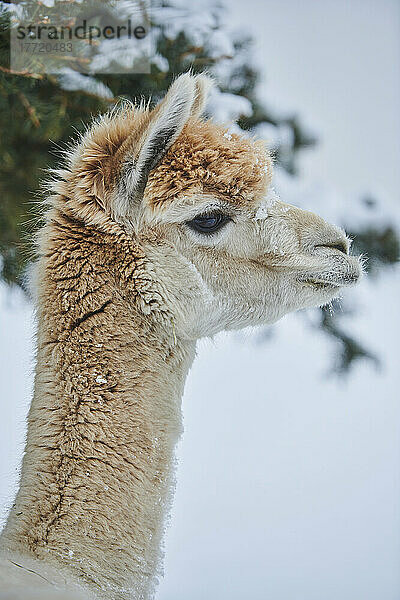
(336, 63)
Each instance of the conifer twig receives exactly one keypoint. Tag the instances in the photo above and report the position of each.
(22, 73)
(29, 109)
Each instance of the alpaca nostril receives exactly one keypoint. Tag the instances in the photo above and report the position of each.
(341, 246)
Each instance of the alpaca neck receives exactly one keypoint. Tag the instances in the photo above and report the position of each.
(98, 469)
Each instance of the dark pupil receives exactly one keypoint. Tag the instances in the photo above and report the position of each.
(207, 223)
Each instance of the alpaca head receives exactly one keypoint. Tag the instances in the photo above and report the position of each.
(221, 250)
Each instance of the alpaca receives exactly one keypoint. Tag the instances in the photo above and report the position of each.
(161, 229)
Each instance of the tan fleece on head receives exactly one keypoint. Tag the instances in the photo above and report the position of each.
(206, 158)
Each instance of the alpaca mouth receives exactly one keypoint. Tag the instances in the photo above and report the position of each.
(340, 271)
(331, 280)
(320, 285)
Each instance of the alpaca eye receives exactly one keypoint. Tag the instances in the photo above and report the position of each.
(208, 223)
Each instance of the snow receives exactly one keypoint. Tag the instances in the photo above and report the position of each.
(220, 44)
(270, 200)
(276, 136)
(14, 10)
(226, 107)
(16, 384)
(197, 22)
(119, 55)
(160, 62)
(133, 9)
(73, 81)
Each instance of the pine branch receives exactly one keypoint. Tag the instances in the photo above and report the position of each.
(22, 73)
(29, 109)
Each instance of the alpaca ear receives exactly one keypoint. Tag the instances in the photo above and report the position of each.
(166, 123)
(204, 84)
